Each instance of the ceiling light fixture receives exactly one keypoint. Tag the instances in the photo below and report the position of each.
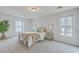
(33, 9)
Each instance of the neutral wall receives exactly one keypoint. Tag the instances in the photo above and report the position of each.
(28, 25)
(54, 19)
(12, 29)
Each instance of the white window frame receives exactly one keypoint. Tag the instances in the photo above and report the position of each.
(19, 27)
(65, 26)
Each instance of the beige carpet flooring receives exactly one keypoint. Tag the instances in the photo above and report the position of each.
(13, 46)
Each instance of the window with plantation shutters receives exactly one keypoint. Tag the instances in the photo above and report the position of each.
(19, 25)
(66, 26)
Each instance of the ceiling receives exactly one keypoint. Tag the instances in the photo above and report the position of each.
(22, 11)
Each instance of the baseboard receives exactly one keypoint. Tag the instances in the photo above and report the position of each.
(11, 36)
(66, 43)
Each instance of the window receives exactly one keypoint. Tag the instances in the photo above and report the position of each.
(66, 26)
(19, 26)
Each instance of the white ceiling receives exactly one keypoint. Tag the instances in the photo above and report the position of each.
(22, 11)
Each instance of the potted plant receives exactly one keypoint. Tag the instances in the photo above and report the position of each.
(4, 25)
